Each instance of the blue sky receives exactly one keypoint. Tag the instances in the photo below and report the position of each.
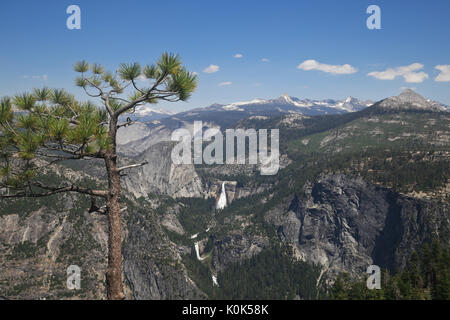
(37, 49)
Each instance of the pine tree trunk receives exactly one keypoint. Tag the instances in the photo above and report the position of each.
(114, 272)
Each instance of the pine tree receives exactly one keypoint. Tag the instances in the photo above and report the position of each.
(340, 287)
(47, 126)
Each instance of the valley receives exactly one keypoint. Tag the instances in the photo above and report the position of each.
(360, 183)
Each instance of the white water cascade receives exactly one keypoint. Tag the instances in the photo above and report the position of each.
(197, 251)
(222, 203)
(214, 280)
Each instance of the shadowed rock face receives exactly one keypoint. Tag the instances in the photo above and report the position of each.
(152, 264)
(346, 224)
(236, 247)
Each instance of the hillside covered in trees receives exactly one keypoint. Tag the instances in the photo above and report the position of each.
(427, 276)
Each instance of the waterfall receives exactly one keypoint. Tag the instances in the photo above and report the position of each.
(222, 203)
(214, 280)
(197, 251)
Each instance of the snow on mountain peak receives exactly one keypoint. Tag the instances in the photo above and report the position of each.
(286, 97)
(235, 105)
(296, 105)
(145, 110)
(350, 99)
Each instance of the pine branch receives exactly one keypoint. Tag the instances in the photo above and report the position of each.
(90, 94)
(104, 210)
(55, 190)
(132, 166)
(76, 153)
(142, 99)
(127, 123)
(136, 87)
(71, 120)
(121, 99)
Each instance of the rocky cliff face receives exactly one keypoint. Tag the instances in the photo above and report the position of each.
(409, 99)
(162, 176)
(345, 224)
(233, 190)
(37, 247)
(152, 264)
(41, 238)
(236, 247)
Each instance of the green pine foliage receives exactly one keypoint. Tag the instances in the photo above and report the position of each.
(50, 125)
(426, 277)
(272, 274)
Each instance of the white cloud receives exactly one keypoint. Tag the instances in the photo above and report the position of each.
(27, 76)
(444, 75)
(410, 88)
(238, 55)
(211, 68)
(265, 60)
(328, 68)
(409, 73)
(226, 83)
(195, 73)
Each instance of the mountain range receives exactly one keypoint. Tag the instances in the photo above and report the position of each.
(156, 127)
(227, 114)
(258, 107)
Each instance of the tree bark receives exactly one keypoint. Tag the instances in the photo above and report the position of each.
(114, 272)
